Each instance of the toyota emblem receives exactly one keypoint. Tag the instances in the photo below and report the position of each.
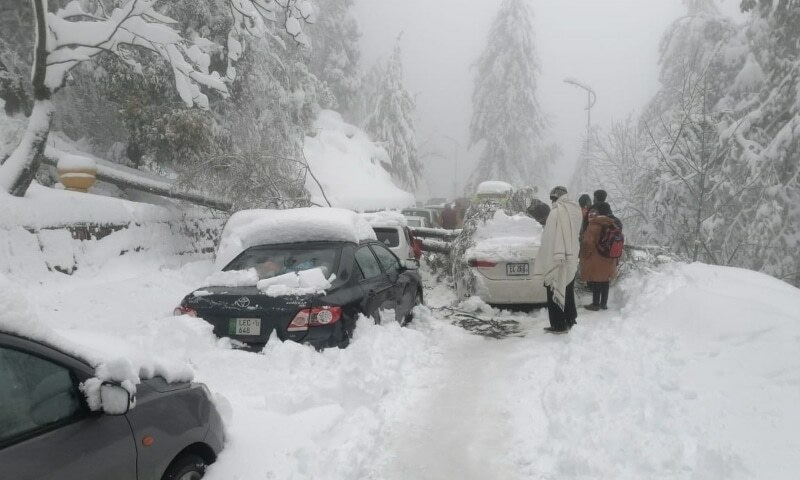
(243, 302)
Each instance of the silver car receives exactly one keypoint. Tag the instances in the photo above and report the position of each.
(47, 430)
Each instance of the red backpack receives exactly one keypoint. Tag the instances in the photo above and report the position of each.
(611, 242)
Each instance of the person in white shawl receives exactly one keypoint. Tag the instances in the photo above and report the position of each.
(557, 260)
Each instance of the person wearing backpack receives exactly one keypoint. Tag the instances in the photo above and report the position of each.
(600, 251)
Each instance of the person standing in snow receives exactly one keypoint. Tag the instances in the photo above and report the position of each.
(449, 218)
(557, 261)
(597, 270)
(585, 202)
(539, 211)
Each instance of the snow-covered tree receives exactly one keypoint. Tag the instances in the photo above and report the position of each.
(619, 163)
(507, 120)
(391, 122)
(72, 35)
(688, 160)
(336, 54)
(765, 125)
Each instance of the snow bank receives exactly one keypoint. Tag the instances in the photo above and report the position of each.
(249, 228)
(505, 238)
(385, 218)
(347, 164)
(44, 207)
(692, 373)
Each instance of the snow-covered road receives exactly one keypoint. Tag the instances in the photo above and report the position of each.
(691, 374)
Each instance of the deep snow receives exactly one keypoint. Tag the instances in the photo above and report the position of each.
(693, 373)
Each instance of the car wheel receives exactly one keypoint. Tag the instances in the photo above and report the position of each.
(417, 301)
(186, 467)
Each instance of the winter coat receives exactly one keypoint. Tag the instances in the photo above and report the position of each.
(557, 260)
(595, 267)
(449, 219)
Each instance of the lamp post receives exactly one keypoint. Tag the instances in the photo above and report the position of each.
(591, 100)
(456, 149)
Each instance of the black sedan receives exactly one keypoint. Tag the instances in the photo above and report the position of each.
(368, 278)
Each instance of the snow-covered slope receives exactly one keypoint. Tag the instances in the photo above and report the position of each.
(348, 166)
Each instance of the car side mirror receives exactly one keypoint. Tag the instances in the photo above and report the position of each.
(115, 399)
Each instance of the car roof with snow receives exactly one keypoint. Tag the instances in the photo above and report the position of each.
(250, 228)
(385, 219)
(494, 187)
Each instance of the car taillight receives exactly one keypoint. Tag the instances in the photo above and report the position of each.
(315, 317)
(482, 263)
(181, 310)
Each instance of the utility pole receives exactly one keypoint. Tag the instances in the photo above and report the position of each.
(583, 165)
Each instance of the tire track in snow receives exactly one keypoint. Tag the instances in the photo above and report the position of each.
(461, 427)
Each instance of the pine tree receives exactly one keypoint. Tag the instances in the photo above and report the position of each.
(767, 140)
(507, 119)
(336, 54)
(391, 122)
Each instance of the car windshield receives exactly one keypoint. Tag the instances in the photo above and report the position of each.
(414, 222)
(388, 236)
(271, 261)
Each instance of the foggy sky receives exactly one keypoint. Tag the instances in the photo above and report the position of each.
(611, 45)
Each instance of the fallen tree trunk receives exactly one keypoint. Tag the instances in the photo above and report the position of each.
(438, 233)
(435, 246)
(162, 188)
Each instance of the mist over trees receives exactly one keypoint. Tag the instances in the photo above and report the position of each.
(507, 120)
(221, 99)
(710, 169)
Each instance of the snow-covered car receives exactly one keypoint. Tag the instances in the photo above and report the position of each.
(501, 260)
(392, 230)
(52, 425)
(494, 191)
(304, 275)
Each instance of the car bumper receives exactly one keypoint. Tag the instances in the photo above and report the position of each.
(318, 337)
(510, 292)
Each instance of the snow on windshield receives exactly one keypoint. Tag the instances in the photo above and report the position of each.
(250, 228)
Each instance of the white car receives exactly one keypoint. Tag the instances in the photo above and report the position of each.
(418, 222)
(501, 262)
(392, 230)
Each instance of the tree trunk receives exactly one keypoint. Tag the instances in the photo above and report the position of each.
(19, 169)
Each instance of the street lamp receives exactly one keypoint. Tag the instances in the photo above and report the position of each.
(591, 100)
(456, 149)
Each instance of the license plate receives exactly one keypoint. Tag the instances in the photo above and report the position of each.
(244, 326)
(516, 269)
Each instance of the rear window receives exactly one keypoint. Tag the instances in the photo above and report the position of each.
(270, 261)
(388, 236)
(414, 222)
